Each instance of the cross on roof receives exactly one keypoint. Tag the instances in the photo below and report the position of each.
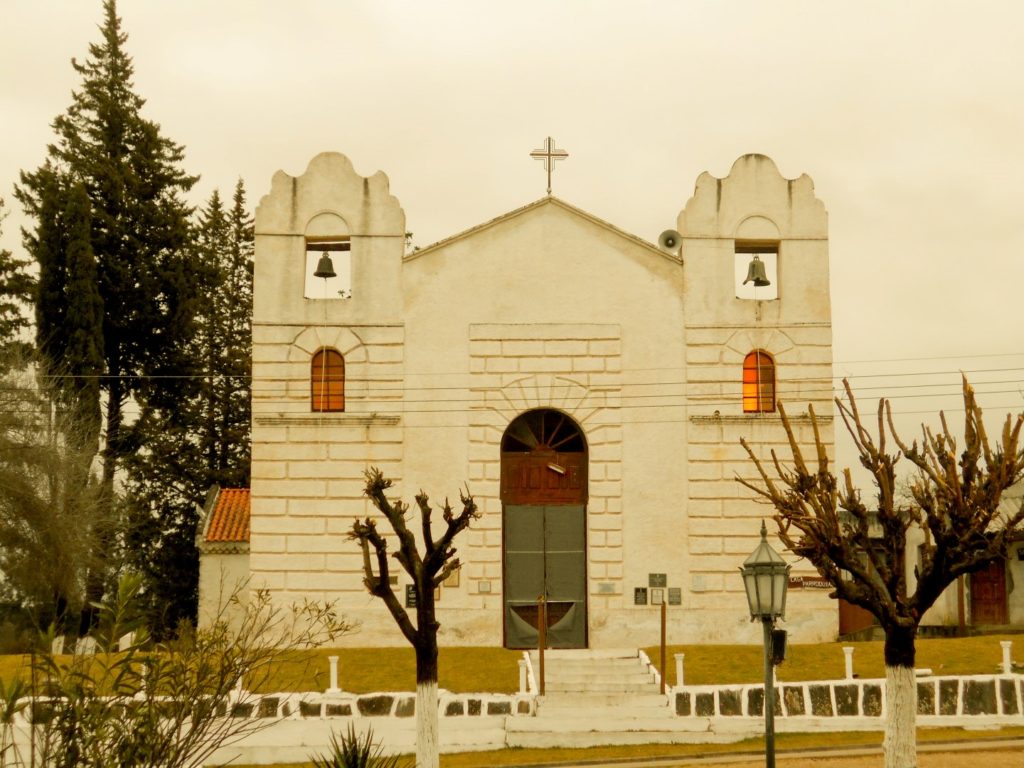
(548, 155)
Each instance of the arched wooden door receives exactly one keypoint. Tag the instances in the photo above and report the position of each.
(544, 531)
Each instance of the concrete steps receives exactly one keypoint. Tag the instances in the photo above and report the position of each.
(594, 698)
(589, 671)
(623, 704)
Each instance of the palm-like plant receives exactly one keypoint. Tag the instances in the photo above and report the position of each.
(355, 751)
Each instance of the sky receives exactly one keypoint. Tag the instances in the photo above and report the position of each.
(908, 116)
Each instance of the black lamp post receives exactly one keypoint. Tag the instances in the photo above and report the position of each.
(766, 578)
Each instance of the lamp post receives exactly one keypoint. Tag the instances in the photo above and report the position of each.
(766, 579)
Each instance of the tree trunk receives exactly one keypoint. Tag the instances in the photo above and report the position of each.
(900, 743)
(427, 751)
(104, 536)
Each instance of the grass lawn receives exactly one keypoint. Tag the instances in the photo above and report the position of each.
(471, 670)
(784, 741)
(716, 664)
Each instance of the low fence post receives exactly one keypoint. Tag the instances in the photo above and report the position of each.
(679, 669)
(333, 661)
(848, 653)
(1007, 661)
(522, 676)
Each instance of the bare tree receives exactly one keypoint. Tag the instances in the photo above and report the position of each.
(427, 571)
(861, 548)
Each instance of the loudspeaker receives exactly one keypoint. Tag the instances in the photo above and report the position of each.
(670, 241)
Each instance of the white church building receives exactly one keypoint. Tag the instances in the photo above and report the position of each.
(588, 386)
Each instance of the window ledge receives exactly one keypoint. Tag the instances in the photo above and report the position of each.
(328, 418)
(733, 418)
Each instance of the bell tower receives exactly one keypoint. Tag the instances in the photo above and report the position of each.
(328, 356)
(758, 332)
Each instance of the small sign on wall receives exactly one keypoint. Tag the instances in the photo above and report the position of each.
(657, 580)
(640, 596)
(410, 595)
(657, 596)
(675, 596)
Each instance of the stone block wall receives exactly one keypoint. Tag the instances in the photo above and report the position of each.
(575, 369)
(307, 467)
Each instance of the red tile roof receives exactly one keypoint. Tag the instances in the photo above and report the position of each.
(229, 521)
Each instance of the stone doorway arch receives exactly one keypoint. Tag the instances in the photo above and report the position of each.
(544, 528)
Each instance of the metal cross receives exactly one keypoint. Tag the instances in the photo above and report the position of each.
(548, 154)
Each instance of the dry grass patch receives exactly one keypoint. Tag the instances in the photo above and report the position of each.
(495, 670)
(725, 664)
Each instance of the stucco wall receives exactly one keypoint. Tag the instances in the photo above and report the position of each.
(544, 307)
(221, 576)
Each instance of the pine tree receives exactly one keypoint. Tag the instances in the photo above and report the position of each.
(138, 229)
(82, 358)
(205, 439)
(16, 291)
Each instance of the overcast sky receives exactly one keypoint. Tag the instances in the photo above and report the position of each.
(908, 116)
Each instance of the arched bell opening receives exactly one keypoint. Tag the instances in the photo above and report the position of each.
(544, 529)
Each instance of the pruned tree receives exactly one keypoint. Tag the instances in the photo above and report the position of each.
(861, 547)
(427, 571)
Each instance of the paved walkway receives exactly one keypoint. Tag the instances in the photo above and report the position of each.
(995, 753)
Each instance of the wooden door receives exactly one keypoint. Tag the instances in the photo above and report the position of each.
(544, 494)
(988, 595)
(853, 618)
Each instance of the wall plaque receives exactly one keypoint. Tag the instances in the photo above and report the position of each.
(640, 596)
(410, 595)
(675, 596)
(657, 580)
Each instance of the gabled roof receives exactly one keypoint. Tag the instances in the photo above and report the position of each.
(226, 523)
(548, 200)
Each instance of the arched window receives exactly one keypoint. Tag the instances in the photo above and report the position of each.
(758, 383)
(327, 379)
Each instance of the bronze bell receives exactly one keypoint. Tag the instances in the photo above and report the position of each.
(325, 267)
(755, 272)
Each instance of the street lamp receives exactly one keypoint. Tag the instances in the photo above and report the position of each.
(766, 579)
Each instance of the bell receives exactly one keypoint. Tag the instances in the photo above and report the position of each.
(755, 272)
(325, 268)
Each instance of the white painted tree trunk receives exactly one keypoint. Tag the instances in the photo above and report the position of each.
(427, 755)
(900, 743)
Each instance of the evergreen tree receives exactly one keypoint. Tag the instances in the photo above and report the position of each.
(138, 229)
(16, 291)
(205, 439)
(82, 359)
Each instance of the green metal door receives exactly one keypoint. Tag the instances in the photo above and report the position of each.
(545, 554)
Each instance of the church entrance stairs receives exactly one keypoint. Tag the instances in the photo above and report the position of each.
(598, 697)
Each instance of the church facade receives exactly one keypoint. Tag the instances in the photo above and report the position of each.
(589, 387)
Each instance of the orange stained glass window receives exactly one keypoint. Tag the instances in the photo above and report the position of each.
(758, 383)
(327, 376)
